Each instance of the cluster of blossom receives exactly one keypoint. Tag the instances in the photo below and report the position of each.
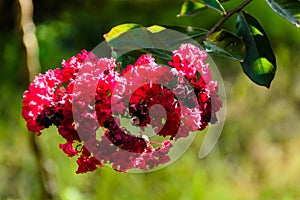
(98, 92)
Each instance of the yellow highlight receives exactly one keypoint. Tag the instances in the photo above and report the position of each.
(118, 30)
(263, 66)
(255, 31)
(155, 28)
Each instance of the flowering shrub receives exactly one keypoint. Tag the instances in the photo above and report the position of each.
(50, 98)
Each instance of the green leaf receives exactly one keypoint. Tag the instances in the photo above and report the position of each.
(134, 39)
(289, 9)
(222, 42)
(165, 33)
(116, 31)
(260, 62)
(191, 8)
(193, 32)
(227, 44)
(169, 35)
(215, 4)
(190, 31)
(122, 37)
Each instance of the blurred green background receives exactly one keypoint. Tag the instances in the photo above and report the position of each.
(256, 157)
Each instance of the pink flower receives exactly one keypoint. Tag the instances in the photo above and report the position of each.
(50, 97)
(68, 148)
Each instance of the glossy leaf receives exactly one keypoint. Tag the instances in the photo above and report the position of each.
(215, 4)
(225, 43)
(175, 35)
(165, 33)
(260, 62)
(222, 42)
(124, 39)
(121, 40)
(116, 31)
(191, 8)
(190, 31)
(289, 9)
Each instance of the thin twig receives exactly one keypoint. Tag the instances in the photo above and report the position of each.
(224, 18)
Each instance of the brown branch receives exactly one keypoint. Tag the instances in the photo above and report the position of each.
(224, 18)
(33, 65)
(29, 38)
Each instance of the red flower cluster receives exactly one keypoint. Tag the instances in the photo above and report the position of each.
(88, 94)
(190, 61)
